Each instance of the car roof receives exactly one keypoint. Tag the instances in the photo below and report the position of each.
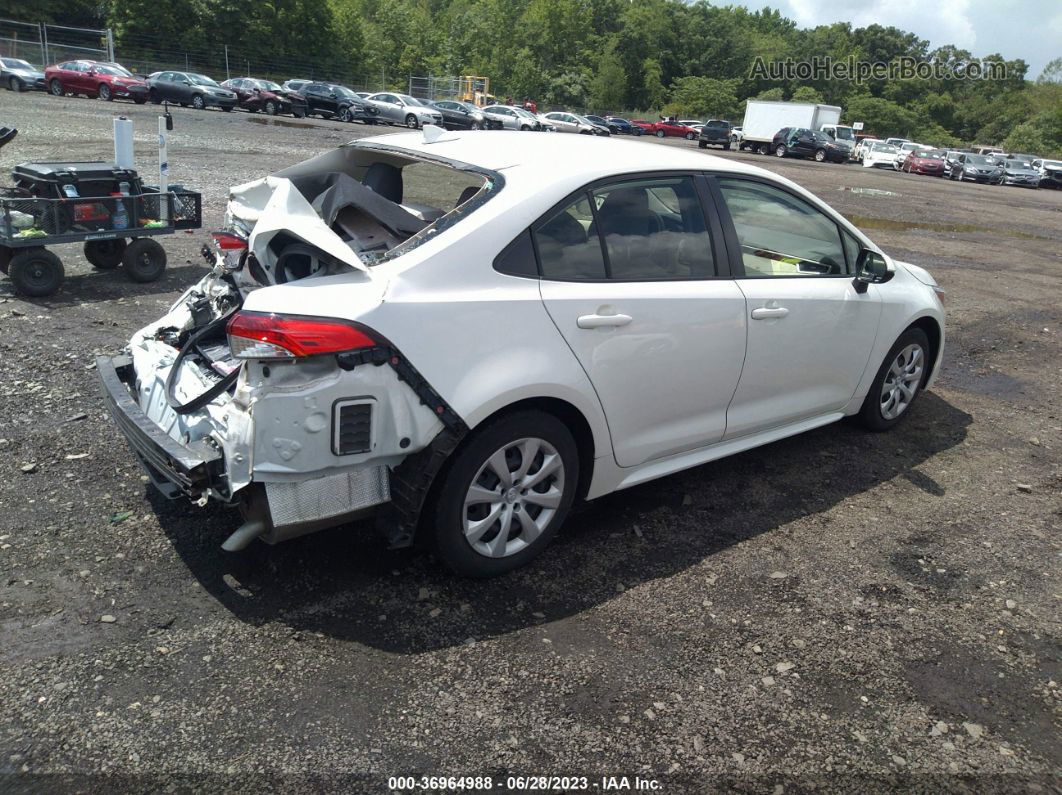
(580, 158)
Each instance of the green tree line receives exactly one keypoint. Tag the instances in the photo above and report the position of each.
(691, 59)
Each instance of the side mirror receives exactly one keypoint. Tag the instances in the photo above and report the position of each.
(871, 268)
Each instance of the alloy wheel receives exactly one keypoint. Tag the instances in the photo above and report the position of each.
(57, 88)
(14, 84)
(105, 92)
(197, 102)
(411, 121)
(902, 381)
(513, 497)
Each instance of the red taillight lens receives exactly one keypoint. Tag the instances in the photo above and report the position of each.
(259, 335)
(228, 241)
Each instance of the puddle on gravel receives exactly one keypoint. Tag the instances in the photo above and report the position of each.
(871, 191)
(301, 125)
(892, 225)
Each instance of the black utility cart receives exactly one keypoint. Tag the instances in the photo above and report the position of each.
(99, 204)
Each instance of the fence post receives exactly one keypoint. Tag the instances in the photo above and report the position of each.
(227, 75)
(110, 45)
(44, 43)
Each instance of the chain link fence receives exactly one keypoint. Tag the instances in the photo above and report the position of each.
(42, 44)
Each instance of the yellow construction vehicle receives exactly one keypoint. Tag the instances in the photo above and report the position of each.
(477, 91)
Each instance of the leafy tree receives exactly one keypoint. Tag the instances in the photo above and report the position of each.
(653, 92)
(881, 117)
(703, 97)
(1052, 73)
(806, 94)
(608, 89)
(775, 94)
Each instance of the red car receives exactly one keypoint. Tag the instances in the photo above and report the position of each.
(257, 95)
(95, 79)
(672, 128)
(646, 127)
(924, 161)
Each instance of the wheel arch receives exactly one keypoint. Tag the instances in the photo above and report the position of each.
(933, 331)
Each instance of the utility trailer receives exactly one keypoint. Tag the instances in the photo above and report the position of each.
(45, 207)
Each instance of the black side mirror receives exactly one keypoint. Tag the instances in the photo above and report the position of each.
(871, 268)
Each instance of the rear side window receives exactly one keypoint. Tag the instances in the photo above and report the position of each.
(566, 248)
(518, 258)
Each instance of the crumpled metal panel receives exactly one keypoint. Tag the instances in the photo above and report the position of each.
(333, 495)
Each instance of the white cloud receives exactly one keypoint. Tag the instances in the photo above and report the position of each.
(940, 22)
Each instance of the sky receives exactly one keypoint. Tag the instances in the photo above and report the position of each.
(1027, 29)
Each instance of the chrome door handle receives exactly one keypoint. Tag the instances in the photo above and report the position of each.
(766, 313)
(602, 321)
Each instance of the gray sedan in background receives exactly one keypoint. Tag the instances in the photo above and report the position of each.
(189, 88)
(404, 109)
(19, 75)
(574, 123)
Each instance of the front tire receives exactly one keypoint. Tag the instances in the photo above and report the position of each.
(346, 115)
(15, 84)
(820, 155)
(35, 272)
(660, 133)
(505, 493)
(690, 136)
(779, 150)
(271, 108)
(198, 103)
(105, 92)
(898, 382)
(411, 122)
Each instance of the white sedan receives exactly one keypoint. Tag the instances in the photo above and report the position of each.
(464, 336)
(880, 154)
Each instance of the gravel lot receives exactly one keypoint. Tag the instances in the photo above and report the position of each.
(839, 610)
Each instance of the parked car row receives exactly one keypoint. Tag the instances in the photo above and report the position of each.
(962, 165)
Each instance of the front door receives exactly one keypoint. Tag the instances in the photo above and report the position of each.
(810, 333)
(630, 279)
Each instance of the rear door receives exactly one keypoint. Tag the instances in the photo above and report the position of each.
(810, 332)
(634, 276)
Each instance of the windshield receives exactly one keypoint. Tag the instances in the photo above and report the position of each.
(844, 134)
(16, 63)
(267, 85)
(1017, 164)
(820, 136)
(981, 160)
(1052, 164)
(113, 70)
(201, 80)
(887, 149)
(524, 113)
(408, 100)
(930, 154)
(343, 91)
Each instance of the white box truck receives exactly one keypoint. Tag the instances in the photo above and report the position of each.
(763, 118)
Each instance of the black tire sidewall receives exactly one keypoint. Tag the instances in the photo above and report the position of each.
(870, 413)
(102, 260)
(447, 506)
(137, 270)
(18, 272)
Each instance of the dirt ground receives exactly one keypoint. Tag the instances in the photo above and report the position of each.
(839, 611)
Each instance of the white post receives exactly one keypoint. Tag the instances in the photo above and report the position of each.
(123, 142)
(164, 173)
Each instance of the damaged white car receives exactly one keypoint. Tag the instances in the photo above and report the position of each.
(463, 336)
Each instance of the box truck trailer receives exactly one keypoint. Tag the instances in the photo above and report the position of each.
(764, 118)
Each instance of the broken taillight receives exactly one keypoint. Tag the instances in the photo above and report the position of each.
(261, 335)
(232, 248)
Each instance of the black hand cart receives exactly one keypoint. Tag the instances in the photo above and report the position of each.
(45, 207)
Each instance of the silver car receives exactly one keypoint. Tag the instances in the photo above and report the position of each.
(572, 123)
(1020, 172)
(404, 109)
(512, 118)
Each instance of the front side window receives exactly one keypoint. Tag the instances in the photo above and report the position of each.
(780, 234)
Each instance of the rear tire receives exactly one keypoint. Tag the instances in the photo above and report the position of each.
(105, 255)
(144, 260)
(660, 133)
(153, 95)
(898, 382)
(526, 519)
(36, 272)
(779, 150)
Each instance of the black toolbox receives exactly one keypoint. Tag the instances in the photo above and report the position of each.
(65, 180)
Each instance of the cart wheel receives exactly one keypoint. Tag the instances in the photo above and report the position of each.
(36, 272)
(5, 258)
(144, 260)
(105, 255)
